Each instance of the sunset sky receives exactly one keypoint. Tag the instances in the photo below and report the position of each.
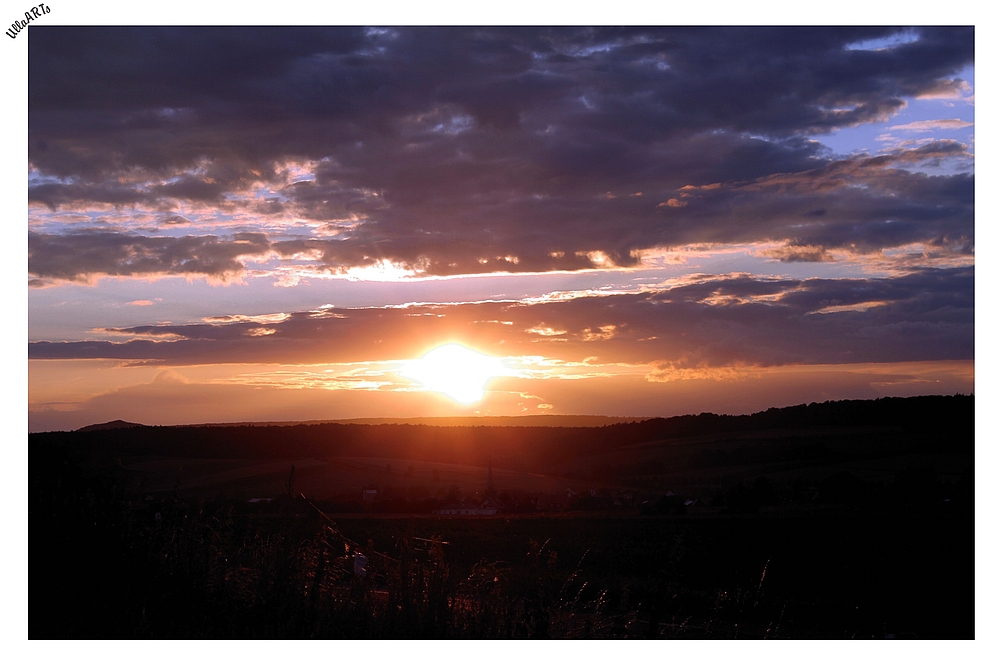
(266, 224)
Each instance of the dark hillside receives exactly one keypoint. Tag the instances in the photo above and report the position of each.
(927, 417)
(927, 423)
(111, 425)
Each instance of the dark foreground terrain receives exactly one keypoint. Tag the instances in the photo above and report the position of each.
(841, 520)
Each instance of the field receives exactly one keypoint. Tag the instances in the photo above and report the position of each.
(327, 478)
(788, 529)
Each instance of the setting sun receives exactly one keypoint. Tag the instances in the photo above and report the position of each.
(454, 371)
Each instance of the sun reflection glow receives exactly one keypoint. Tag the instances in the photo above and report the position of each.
(455, 371)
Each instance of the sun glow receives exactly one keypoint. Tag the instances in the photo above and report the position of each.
(455, 371)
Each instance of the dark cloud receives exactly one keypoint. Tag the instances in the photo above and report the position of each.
(80, 255)
(457, 150)
(175, 220)
(714, 322)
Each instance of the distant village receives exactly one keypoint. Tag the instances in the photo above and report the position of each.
(490, 500)
(841, 488)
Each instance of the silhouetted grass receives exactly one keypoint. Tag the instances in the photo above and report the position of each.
(104, 562)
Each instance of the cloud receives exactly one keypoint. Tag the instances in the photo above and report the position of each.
(859, 205)
(955, 88)
(930, 125)
(80, 256)
(457, 150)
(175, 220)
(800, 254)
(704, 322)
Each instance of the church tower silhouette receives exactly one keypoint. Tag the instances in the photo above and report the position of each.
(491, 490)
